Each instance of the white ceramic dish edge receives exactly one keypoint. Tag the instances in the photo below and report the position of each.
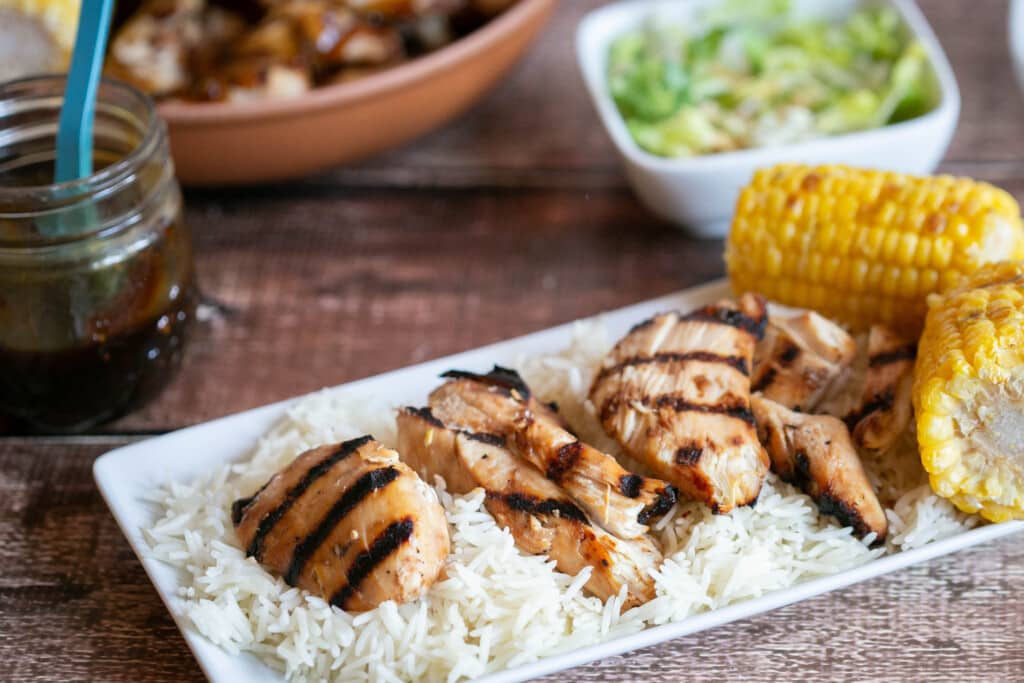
(699, 193)
(1015, 31)
(126, 474)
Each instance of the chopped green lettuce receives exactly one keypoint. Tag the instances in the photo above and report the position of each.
(752, 76)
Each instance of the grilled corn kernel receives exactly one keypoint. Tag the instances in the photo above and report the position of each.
(889, 240)
(969, 393)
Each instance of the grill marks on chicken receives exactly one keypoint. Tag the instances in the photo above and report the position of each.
(500, 403)
(620, 501)
(348, 522)
(805, 364)
(885, 407)
(799, 359)
(669, 357)
(675, 392)
(815, 453)
(539, 514)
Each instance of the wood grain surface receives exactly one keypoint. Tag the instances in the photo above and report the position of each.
(76, 605)
(511, 219)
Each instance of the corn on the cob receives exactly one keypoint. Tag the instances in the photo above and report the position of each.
(36, 35)
(865, 246)
(969, 393)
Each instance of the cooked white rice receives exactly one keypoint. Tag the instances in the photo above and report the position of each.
(496, 607)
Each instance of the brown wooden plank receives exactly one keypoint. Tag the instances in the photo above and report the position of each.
(336, 287)
(940, 621)
(332, 287)
(75, 604)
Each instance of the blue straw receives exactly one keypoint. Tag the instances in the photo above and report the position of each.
(74, 134)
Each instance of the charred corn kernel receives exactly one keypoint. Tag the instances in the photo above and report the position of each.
(39, 34)
(897, 237)
(969, 393)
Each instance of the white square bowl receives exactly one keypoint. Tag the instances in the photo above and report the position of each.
(699, 193)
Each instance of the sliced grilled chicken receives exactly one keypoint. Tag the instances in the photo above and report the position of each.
(540, 515)
(799, 358)
(501, 403)
(815, 452)
(885, 407)
(675, 392)
(350, 523)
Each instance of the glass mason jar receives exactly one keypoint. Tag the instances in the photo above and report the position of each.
(96, 281)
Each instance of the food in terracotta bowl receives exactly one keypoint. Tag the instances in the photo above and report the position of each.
(263, 90)
(253, 50)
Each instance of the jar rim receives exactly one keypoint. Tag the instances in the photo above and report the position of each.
(73, 201)
(109, 175)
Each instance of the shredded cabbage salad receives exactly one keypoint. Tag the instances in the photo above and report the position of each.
(750, 74)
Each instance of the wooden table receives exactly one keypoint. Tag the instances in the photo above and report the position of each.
(511, 219)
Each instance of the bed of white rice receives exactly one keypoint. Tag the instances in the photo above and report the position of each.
(496, 607)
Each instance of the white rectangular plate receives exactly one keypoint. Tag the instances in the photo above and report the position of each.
(127, 474)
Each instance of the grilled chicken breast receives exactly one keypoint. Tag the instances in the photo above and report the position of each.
(675, 392)
(540, 515)
(885, 407)
(815, 453)
(501, 403)
(348, 522)
(799, 359)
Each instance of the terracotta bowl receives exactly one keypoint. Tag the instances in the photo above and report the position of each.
(224, 144)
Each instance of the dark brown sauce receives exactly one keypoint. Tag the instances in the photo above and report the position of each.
(71, 389)
(343, 450)
(97, 327)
